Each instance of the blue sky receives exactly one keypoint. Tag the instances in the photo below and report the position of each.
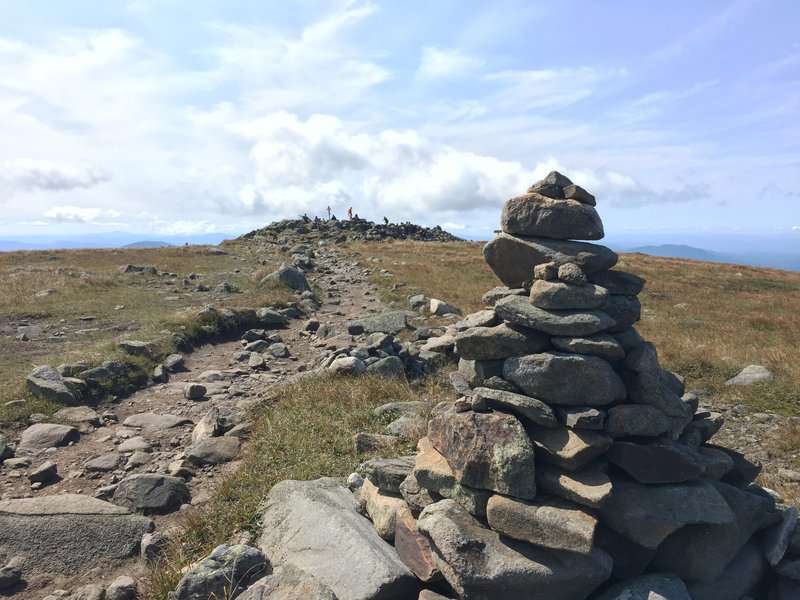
(178, 117)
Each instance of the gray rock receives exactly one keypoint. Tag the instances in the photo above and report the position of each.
(526, 407)
(256, 361)
(348, 365)
(488, 451)
(78, 414)
(288, 583)
(775, 540)
(105, 462)
(502, 341)
(501, 291)
(551, 186)
(635, 420)
(47, 383)
(475, 372)
(589, 487)
(136, 348)
(569, 273)
(214, 451)
(618, 283)
(173, 363)
(151, 493)
(208, 427)
(559, 294)
(718, 464)
(547, 523)
(576, 192)
(291, 277)
(392, 322)
(581, 417)
(738, 578)
(391, 367)
(10, 575)
(194, 391)
(628, 510)
(152, 546)
(372, 442)
(307, 524)
(45, 472)
(268, 317)
(72, 531)
(90, 591)
(225, 573)
(155, 422)
(657, 460)
(441, 308)
(477, 562)
(520, 311)
(601, 344)
(568, 379)
(418, 301)
(624, 310)
(122, 588)
(654, 586)
(536, 215)
(571, 449)
(279, 350)
(388, 473)
(6, 451)
(749, 375)
(48, 435)
(135, 444)
(513, 258)
(412, 407)
(482, 318)
(649, 389)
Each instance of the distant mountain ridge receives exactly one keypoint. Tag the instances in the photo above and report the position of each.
(774, 260)
(113, 239)
(147, 244)
(678, 251)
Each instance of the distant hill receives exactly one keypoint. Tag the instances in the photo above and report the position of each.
(678, 251)
(147, 244)
(776, 260)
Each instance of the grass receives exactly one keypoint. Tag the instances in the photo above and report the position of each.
(301, 431)
(93, 304)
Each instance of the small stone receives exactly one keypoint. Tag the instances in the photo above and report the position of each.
(440, 308)
(45, 472)
(48, 435)
(122, 588)
(751, 374)
(194, 391)
(571, 449)
(602, 345)
(546, 271)
(589, 487)
(581, 417)
(562, 295)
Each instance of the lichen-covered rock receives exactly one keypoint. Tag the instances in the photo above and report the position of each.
(225, 573)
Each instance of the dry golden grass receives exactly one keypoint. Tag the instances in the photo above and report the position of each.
(301, 431)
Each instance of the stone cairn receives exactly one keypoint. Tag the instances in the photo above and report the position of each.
(574, 466)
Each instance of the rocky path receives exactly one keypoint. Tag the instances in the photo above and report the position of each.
(150, 433)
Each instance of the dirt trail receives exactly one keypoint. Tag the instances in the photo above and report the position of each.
(345, 293)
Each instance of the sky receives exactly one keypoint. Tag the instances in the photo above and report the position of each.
(178, 117)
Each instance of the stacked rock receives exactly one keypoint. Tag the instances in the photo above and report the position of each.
(573, 465)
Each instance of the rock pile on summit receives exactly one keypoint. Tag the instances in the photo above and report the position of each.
(573, 465)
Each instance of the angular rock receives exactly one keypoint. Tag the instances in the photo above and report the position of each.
(657, 460)
(477, 563)
(568, 379)
(413, 548)
(105, 462)
(388, 473)
(536, 215)
(627, 420)
(628, 510)
(701, 552)
(718, 464)
(775, 540)
(214, 451)
(208, 427)
(567, 448)
(482, 318)
(743, 472)
(370, 442)
(548, 523)
(135, 444)
(501, 291)
(122, 588)
(382, 508)
(551, 186)
(476, 372)
(47, 383)
(630, 559)
(526, 407)
(558, 294)
(225, 573)
(441, 308)
(136, 348)
(194, 391)
(44, 472)
(348, 365)
(738, 578)
(72, 531)
(10, 575)
(489, 451)
(654, 586)
(291, 277)
(268, 317)
(155, 422)
(391, 367)
(48, 435)
(618, 283)
(576, 192)
(601, 344)
(520, 311)
(624, 310)
(418, 497)
(581, 417)
(646, 388)
(643, 359)
(174, 363)
(392, 322)
(513, 258)
(588, 487)
(79, 414)
(500, 342)
(151, 493)
(433, 473)
(308, 523)
(288, 583)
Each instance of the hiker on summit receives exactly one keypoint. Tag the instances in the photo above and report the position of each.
(350, 213)
(385, 221)
(329, 212)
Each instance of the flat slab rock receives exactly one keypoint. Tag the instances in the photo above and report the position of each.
(314, 526)
(64, 533)
(48, 435)
(155, 422)
(392, 322)
(152, 493)
(520, 311)
(477, 563)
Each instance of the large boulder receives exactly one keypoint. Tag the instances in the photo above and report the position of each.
(567, 379)
(536, 215)
(512, 258)
(47, 383)
(48, 435)
(520, 311)
(66, 532)
(225, 573)
(151, 493)
(478, 563)
(489, 451)
(292, 277)
(315, 526)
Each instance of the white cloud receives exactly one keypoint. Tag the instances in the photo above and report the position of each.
(437, 63)
(184, 227)
(78, 214)
(28, 175)
(455, 226)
